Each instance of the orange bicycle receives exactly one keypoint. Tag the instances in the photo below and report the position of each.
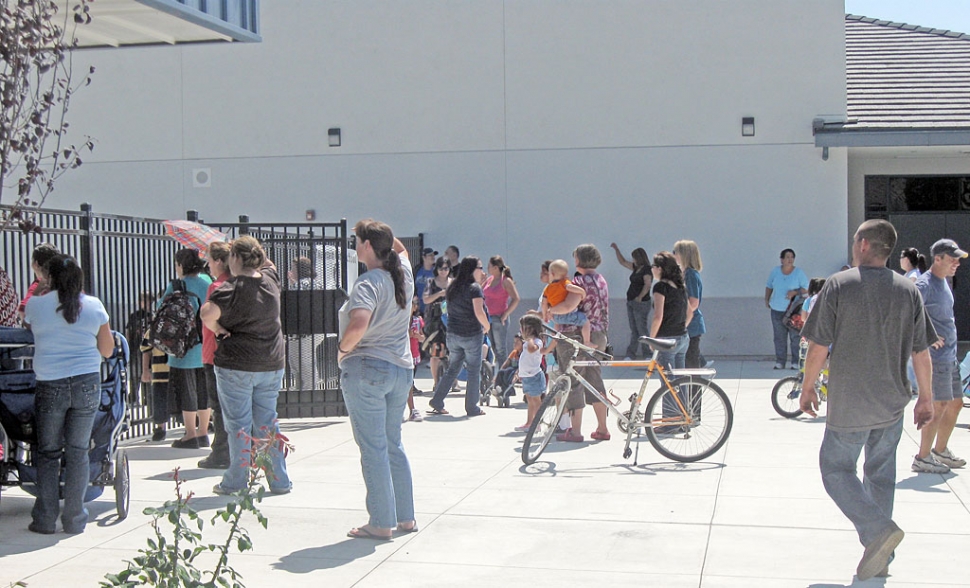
(687, 419)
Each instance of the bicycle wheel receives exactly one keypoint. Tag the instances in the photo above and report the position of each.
(785, 396)
(546, 420)
(675, 436)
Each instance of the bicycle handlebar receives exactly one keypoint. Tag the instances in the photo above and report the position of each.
(591, 351)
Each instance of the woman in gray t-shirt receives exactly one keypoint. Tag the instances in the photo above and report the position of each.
(376, 373)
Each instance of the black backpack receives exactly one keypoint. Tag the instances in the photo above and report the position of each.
(176, 327)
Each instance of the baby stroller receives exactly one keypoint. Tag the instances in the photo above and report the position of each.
(18, 436)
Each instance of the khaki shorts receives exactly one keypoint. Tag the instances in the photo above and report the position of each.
(579, 396)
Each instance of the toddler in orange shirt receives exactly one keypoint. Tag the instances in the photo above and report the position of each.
(556, 291)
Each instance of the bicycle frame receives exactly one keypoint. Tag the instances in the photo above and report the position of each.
(652, 366)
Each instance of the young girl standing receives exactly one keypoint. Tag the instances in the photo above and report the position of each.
(530, 366)
(416, 335)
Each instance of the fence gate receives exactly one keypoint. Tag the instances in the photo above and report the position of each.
(125, 257)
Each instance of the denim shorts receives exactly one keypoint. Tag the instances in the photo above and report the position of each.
(946, 381)
(534, 385)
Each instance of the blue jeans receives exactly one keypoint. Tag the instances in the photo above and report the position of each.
(376, 392)
(461, 350)
(676, 357)
(638, 316)
(498, 334)
(65, 410)
(673, 359)
(784, 337)
(867, 503)
(248, 403)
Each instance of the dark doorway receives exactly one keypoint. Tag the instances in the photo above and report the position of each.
(925, 209)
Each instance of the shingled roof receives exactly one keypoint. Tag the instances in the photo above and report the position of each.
(904, 76)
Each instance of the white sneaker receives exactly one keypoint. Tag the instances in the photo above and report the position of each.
(929, 465)
(416, 416)
(779, 366)
(947, 458)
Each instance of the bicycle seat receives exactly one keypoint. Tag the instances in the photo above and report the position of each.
(661, 344)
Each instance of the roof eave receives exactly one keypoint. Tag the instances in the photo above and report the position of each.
(840, 136)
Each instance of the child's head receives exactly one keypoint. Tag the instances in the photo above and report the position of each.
(815, 286)
(558, 270)
(415, 307)
(530, 326)
(517, 342)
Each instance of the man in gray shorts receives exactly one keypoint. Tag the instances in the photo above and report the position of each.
(936, 458)
(874, 320)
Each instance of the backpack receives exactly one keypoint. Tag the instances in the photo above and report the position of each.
(176, 326)
(793, 314)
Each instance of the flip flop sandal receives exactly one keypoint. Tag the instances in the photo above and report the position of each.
(404, 531)
(362, 533)
(438, 412)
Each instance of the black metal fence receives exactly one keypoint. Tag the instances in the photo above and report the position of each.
(125, 256)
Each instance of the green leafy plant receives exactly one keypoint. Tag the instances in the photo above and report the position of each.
(170, 560)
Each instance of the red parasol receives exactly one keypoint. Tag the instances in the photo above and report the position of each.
(193, 235)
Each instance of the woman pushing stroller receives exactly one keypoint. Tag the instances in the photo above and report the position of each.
(71, 335)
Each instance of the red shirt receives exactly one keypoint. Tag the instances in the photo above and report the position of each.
(209, 342)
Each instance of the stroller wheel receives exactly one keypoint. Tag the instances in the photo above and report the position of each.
(122, 484)
(506, 401)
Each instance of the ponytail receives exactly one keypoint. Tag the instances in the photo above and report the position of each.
(392, 263)
(67, 279)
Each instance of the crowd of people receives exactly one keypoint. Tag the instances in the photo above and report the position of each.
(460, 308)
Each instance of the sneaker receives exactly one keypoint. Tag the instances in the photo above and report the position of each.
(159, 434)
(190, 443)
(929, 465)
(779, 366)
(947, 458)
(416, 416)
(522, 429)
(214, 463)
(222, 490)
(281, 489)
(876, 557)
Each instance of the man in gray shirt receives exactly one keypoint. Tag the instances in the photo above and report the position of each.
(947, 384)
(873, 319)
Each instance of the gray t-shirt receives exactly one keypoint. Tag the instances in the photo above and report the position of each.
(938, 301)
(386, 337)
(874, 320)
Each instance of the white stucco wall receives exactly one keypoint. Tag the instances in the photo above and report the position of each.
(516, 128)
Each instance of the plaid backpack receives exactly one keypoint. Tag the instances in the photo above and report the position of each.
(176, 327)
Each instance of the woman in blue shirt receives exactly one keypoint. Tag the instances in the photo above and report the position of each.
(186, 376)
(784, 283)
(688, 257)
(71, 335)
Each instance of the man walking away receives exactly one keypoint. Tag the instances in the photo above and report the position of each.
(874, 320)
(947, 386)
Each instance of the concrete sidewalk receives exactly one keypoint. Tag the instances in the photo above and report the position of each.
(754, 514)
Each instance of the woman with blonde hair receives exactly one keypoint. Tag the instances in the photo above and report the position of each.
(688, 257)
(244, 314)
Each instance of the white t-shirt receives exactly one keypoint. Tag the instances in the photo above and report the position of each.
(530, 364)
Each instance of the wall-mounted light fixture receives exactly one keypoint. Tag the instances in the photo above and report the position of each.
(747, 126)
(333, 137)
(311, 214)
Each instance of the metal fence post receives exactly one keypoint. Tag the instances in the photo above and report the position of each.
(345, 245)
(244, 221)
(192, 215)
(86, 250)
